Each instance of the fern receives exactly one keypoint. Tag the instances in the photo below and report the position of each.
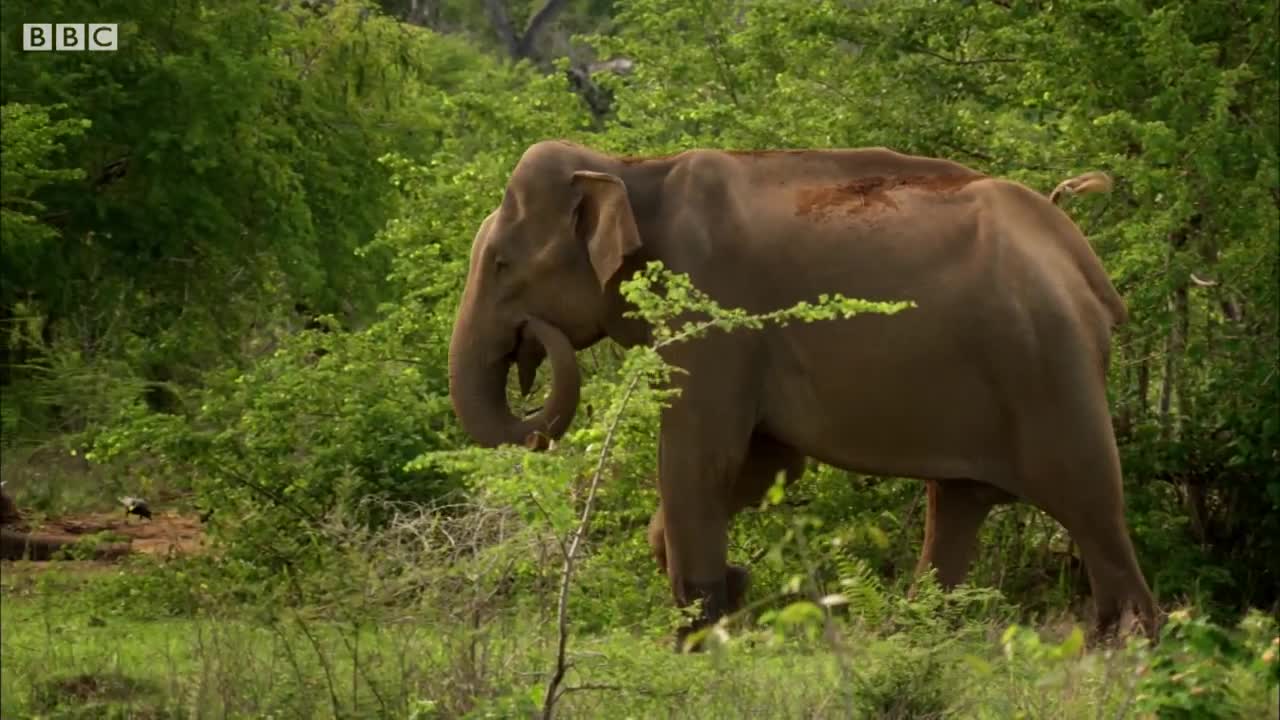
(862, 586)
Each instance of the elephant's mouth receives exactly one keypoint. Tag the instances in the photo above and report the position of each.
(527, 355)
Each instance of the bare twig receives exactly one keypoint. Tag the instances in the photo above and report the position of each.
(359, 671)
(723, 67)
(410, 361)
(962, 61)
(570, 555)
(968, 151)
(564, 549)
(335, 703)
(603, 687)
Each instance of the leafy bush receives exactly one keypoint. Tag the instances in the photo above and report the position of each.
(1202, 670)
(277, 450)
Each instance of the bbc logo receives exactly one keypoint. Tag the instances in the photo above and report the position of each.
(70, 36)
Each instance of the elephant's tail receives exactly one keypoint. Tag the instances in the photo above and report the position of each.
(1090, 182)
(1095, 182)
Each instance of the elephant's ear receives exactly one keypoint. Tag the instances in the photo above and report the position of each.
(605, 218)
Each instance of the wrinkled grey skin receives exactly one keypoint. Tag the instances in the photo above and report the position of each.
(992, 388)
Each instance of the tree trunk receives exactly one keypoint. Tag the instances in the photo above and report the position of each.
(521, 46)
(1144, 381)
(1176, 340)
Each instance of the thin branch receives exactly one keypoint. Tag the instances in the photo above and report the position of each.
(974, 61)
(566, 575)
(617, 688)
(539, 21)
(564, 549)
(275, 497)
(410, 361)
(966, 151)
(521, 46)
(723, 68)
(320, 655)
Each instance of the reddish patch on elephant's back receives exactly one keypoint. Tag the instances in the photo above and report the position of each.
(772, 153)
(638, 159)
(870, 192)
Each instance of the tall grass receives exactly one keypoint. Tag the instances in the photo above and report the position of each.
(441, 617)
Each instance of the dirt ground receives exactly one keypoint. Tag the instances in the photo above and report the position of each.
(164, 534)
(167, 534)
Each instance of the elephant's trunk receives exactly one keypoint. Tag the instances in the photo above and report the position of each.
(478, 380)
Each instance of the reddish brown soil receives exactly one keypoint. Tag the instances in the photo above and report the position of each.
(165, 533)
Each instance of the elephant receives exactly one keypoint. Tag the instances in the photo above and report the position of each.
(991, 387)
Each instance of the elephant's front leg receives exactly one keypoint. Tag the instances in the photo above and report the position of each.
(694, 480)
(765, 459)
(737, 579)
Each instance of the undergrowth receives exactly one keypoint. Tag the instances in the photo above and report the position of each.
(436, 617)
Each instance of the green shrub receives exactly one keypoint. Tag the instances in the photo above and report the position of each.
(1203, 670)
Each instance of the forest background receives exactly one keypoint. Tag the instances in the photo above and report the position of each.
(232, 254)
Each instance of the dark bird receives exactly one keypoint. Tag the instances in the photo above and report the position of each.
(135, 506)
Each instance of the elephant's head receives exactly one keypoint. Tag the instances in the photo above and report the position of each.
(535, 288)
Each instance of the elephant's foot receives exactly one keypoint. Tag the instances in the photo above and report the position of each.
(1115, 620)
(696, 645)
(737, 581)
(683, 644)
(715, 602)
(718, 600)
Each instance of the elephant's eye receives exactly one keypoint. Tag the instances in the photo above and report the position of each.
(499, 265)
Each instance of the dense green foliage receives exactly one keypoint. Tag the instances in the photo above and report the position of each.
(232, 253)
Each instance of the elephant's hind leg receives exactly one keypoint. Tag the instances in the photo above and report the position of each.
(1070, 468)
(658, 538)
(956, 510)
